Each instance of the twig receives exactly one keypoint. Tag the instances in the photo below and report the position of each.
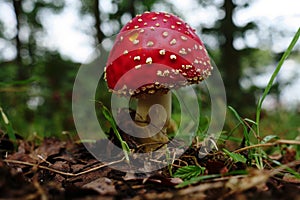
(277, 142)
(61, 172)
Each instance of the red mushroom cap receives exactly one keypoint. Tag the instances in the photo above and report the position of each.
(156, 51)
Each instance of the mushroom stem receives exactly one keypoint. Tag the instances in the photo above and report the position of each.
(142, 119)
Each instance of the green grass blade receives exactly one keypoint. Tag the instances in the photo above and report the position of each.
(197, 180)
(9, 128)
(235, 156)
(267, 90)
(113, 124)
(275, 73)
(210, 176)
(246, 134)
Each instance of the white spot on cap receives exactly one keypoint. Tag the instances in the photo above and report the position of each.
(157, 24)
(183, 38)
(135, 41)
(149, 60)
(173, 57)
(150, 44)
(162, 52)
(166, 73)
(182, 51)
(138, 66)
(140, 20)
(125, 52)
(152, 28)
(173, 41)
(130, 92)
(179, 23)
(154, 18)
(165, 34)
(137, 58)
(159, 73)
(165, 20)
(188, 66)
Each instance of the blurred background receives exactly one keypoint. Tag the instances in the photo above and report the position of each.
(43, 43)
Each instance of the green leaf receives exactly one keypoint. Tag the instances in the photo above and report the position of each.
(196, 180)
(235, 156)
(188, 172)
(269, 138)
(250, 120)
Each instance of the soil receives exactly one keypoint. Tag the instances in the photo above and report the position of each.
(57, 169)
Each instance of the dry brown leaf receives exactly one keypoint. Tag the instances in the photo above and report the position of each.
(103, 186)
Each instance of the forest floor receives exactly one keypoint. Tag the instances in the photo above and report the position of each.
(57, 169)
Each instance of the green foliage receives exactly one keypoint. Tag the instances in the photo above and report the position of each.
(236, 157)
(290, 170)
(113, 124)
(269, 138)
(267, 90)
(243, 123)
(188, 172)
(39, 105)
(198, 179)
(8, 126)
(274, 75)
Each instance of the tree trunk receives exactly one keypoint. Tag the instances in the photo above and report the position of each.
(99, 34)
(231, 62)
(17, 5)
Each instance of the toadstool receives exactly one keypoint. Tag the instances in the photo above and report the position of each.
(161, 52)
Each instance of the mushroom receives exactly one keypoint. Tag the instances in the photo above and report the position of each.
(154, 53)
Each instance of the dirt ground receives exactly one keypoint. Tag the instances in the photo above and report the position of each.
(58, 169)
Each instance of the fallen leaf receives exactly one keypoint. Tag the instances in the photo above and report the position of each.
(103, 186)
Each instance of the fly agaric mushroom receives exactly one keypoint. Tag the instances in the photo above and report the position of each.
(161, 52)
